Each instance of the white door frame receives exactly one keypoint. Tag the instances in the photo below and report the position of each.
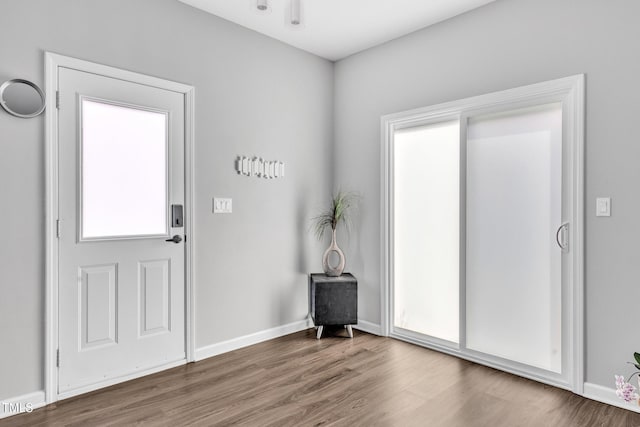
(569, 91)
(52, 64)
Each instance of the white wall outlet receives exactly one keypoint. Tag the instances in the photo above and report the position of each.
(603, 206)
(222, 205)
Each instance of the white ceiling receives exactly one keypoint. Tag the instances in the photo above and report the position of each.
(334, 29)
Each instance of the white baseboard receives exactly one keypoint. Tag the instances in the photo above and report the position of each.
(608, 395)
(369, 327)
(21, 404)
(247, 340)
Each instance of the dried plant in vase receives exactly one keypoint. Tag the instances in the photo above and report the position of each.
(342, 204)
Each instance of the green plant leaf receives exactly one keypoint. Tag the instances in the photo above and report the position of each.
(636, 356)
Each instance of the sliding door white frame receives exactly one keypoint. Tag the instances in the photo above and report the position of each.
(570, 92)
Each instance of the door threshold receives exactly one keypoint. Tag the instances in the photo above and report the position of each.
(120, 379)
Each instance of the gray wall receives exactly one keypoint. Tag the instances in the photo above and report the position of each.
(254, 96)
(258, 96)
(507, 44)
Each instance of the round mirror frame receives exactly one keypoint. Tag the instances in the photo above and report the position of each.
(8, 109)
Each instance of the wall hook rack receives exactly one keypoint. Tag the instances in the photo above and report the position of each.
(260, 168)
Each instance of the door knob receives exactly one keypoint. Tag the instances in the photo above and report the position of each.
(175, 239)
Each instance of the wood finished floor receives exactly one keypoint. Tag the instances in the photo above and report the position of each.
(299, 381)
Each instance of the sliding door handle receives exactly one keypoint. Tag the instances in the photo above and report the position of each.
(562, 237)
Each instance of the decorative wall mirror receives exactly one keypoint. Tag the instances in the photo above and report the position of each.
(22, 98)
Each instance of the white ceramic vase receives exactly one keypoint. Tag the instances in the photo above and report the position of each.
(329, 270)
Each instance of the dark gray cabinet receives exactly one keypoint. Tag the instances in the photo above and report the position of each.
(333, 301)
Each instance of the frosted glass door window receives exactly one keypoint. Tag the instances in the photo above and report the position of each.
(123, 171)
(426, 191)
(513, 285)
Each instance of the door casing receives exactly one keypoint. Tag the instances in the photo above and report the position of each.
(53, 62)
(569, 91)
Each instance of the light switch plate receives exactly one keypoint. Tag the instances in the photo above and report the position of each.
(222, 205)
(603, 206)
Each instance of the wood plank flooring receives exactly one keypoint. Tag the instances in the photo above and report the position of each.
(297, 380)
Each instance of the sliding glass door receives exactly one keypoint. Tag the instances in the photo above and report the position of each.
(426, 229)
(514, 208)
(480, 210)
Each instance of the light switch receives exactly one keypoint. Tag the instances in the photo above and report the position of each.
(603, 206)
(222, 205)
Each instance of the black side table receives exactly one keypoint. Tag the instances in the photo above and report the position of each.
(333, 301)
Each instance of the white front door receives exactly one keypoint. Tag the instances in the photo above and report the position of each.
(121, 292)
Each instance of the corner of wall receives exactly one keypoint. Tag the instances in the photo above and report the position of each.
(369, 327)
